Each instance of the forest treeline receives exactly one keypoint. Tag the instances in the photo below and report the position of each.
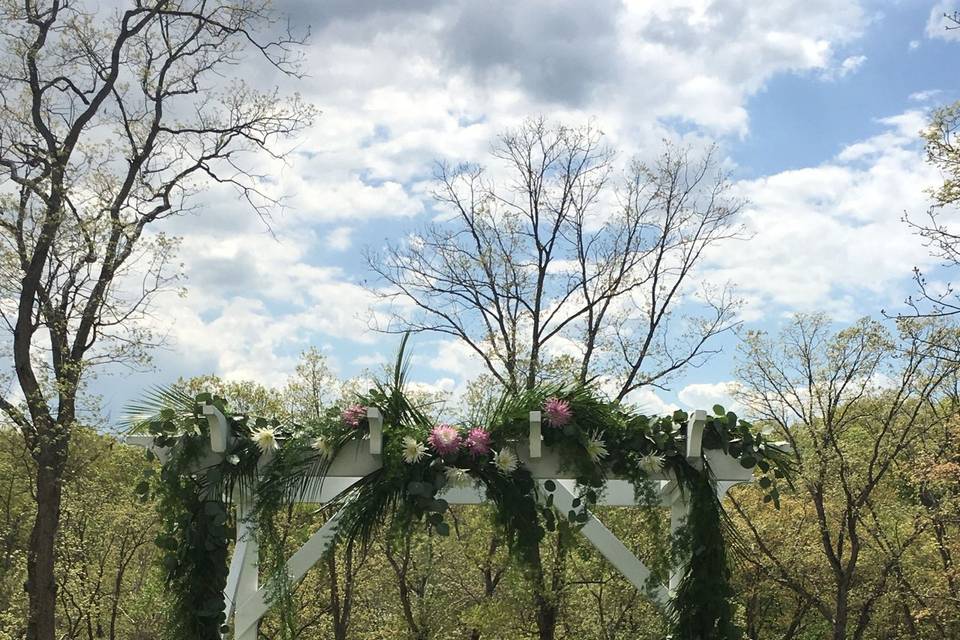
(863, 546)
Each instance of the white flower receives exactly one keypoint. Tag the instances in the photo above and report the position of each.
(413, 451)
(233, 459)
(457, 477)
(505, 461)
(651, 463)
(322, 446)
(596, 448)
(265, 439)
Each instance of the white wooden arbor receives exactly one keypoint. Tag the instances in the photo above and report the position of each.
(246, 596)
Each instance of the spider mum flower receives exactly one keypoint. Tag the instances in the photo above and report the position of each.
(265, 439)
(352, 415)
(651, 463)
(596, 447)
(323, 447)
(505, 461)
(444, 439)
(558, 412)
(413, 451)
(457, 477)
(478, 441)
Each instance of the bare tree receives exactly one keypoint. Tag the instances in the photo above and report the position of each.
(110, 120)
(560, 253)
(854, 405)
(561, 257)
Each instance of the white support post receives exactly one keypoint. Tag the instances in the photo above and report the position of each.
(536, 435)
(609, 546)
(254, 607)
(219, 431)
(679, 509)
(375, 420)
(243, 581)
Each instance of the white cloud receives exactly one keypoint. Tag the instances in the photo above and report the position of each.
(924, 96)
(648, 402)
(706, 395)
(847, 66)
(913, 45)
(830, 238)
(401, 85)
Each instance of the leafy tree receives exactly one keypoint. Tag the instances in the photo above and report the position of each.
(110, 122)
(108, 585)
(855, 405)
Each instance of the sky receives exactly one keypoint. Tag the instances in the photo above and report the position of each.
(816, 106)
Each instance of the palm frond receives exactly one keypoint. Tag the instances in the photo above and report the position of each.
(138, 413)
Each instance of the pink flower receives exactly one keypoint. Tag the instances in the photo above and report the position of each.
(444, 439)
(352, 415)
(558, 412)
(478, 441)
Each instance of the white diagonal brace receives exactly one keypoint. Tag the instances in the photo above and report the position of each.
(249, 611)
(608, 544)
(240, 552)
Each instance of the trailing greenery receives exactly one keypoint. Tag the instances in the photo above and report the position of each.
(270, 465)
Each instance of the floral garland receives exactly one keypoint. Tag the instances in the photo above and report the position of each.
(596, 439)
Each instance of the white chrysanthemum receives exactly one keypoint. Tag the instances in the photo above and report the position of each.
(322, 446)
(596, 448)
(457, 477)
(413, 451)
(265, 439)
(233, 459)
(651, 463)
(505, 461)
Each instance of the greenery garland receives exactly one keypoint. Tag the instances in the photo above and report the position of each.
(273, 464)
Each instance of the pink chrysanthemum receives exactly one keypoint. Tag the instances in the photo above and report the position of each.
(558, 412)
(352, 415)
(478, 441)
(444, 439)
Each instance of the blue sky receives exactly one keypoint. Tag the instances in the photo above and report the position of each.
(816, 106)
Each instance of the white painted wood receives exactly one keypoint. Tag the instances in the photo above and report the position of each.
(536, 435)
(695, 426)
(375, 420)
(248, 577)
(219, 430)
(254, 607)
(243, 576)
(609, 546)
(146, 442)
(233, 576)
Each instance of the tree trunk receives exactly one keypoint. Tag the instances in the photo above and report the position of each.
(546, 618)
(41, 583)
